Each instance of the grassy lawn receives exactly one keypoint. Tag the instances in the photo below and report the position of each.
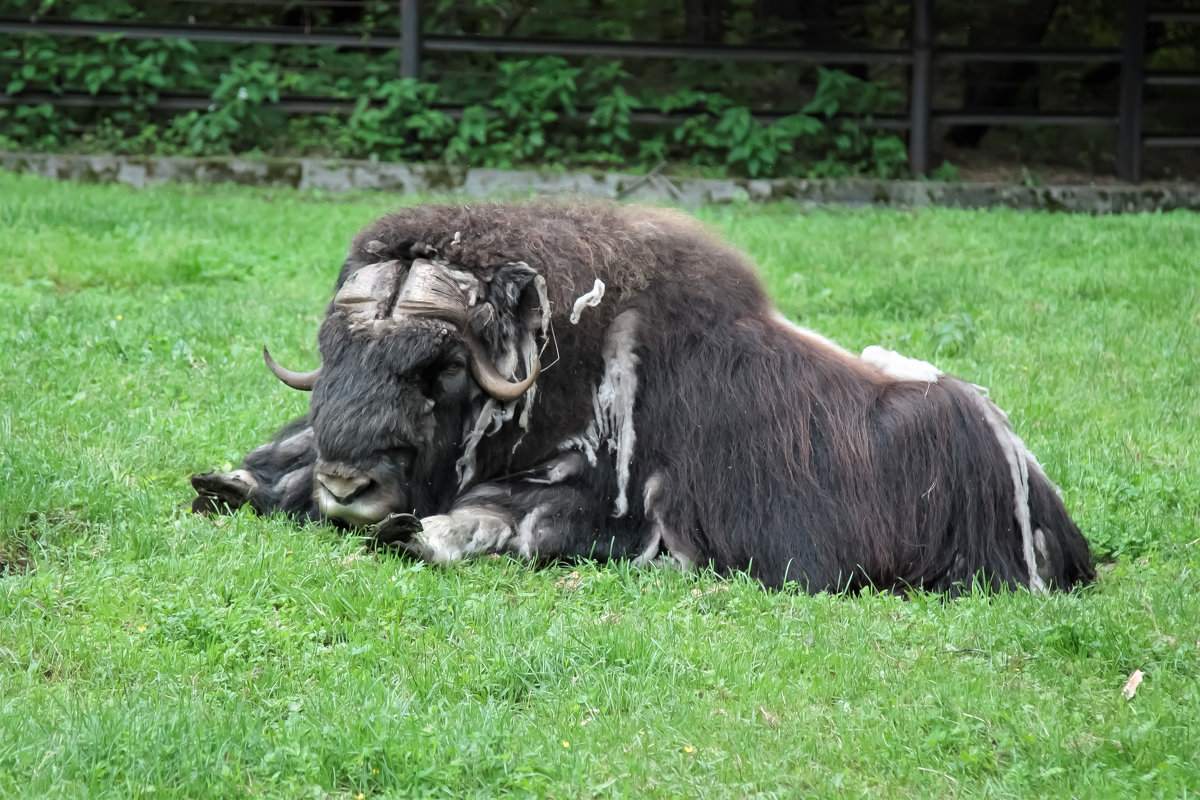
(145, 652)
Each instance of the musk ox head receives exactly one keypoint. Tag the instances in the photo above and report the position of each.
(407, 366)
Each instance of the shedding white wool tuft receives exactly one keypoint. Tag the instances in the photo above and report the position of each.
(589, 300)
(530, 351)
(1018, 458)
(615, 398)
(490, 416)
(520, 347)
(901, 368)
(612, 405)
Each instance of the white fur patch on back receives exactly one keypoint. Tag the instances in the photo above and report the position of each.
(812, 336)
(589, 300)
(1018, 458)
(902, 368)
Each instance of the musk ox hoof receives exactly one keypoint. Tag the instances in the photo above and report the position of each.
(222, 492)
(209, 506)
(397, 529)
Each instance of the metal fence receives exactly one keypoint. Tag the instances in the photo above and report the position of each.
(920, 58)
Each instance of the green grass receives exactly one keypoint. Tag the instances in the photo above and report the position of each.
(145, 652)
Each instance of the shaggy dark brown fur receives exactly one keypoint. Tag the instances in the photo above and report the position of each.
(747, 444)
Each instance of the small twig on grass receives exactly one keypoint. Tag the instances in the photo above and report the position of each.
(1131, 685)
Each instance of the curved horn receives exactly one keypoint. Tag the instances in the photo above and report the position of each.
(429, 292)
(489, 377)
(297, 380)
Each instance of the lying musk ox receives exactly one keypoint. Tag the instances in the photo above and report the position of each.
(556, 380)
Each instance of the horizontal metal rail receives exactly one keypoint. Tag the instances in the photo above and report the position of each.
(1020, 118)
(453, 44)
(166, 102)
(1166, 78)
(492, 44)
(302, 4)
(1171, 140)
(1027, 55)
(1169, 15)
(197, 33)
(481, 44)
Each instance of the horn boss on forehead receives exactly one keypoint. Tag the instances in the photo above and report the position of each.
(426, 290)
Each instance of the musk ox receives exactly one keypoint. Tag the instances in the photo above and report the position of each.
(560, 380)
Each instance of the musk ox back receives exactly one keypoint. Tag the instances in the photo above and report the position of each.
(563, 380)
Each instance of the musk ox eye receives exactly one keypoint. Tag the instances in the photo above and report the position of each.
(401, 456)
(445, 379)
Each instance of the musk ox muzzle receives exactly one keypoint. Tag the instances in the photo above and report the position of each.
(356, 497)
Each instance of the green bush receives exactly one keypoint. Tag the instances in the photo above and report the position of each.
(545, 112)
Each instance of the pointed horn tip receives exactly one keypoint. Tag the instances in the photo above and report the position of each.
(504, 390)
(301, 381)
(489, 378)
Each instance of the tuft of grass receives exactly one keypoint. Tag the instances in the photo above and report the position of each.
(145, 652)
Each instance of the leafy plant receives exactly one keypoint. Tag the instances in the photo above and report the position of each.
(953, 334)
(396, 121)
(544, 111)
(945, 172)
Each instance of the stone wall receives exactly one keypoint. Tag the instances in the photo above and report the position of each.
(341, 176)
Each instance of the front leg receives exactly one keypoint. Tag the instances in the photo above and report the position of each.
(562, 509)
(465, 532)
(276, 476)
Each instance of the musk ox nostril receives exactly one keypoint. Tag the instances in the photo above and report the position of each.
(343, 489)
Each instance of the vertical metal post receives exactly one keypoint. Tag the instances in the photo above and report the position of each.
(410, 39)
(1133, 62)
(921, 86)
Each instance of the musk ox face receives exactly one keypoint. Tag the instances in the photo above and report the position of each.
(401, 370)
(386, 407)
